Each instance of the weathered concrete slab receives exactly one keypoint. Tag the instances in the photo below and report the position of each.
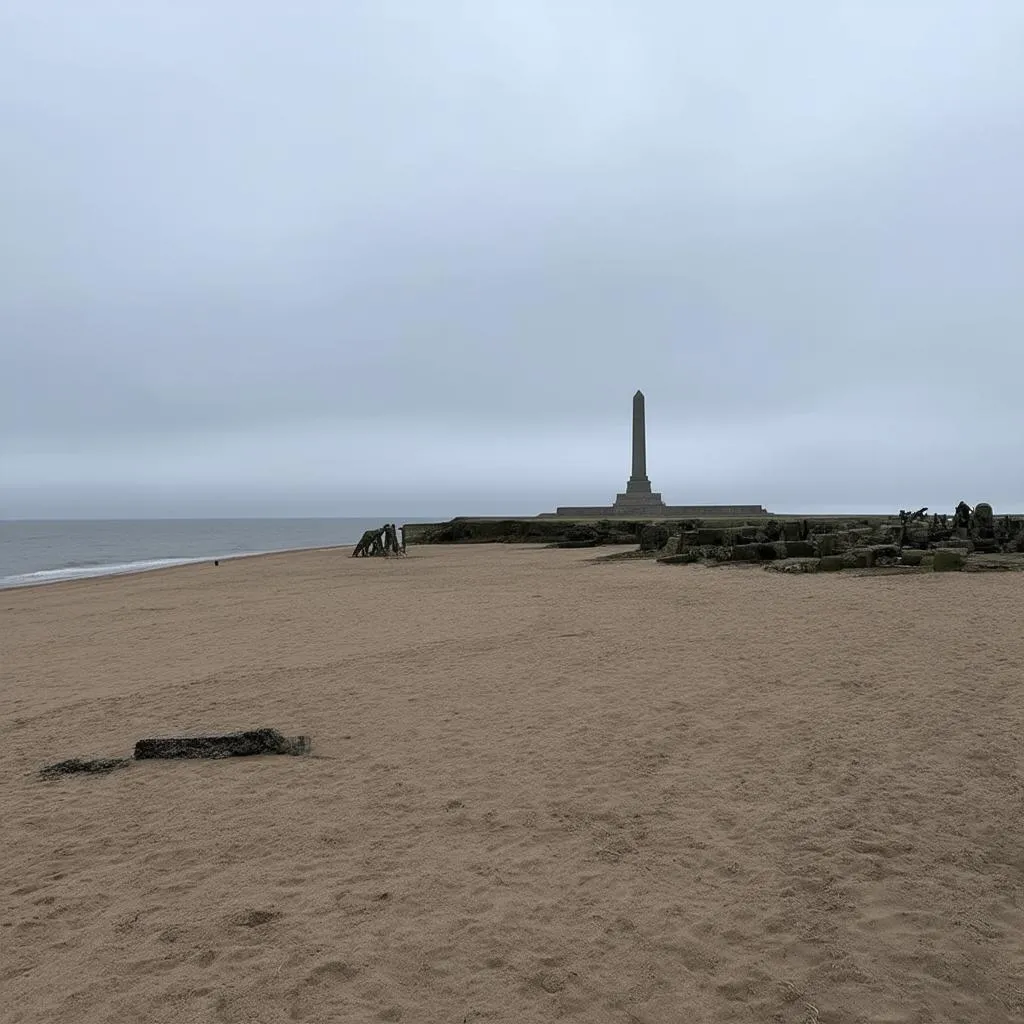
(237, 744)
(77, 765)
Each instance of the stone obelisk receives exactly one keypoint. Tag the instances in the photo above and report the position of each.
(638, 482)
(638, 502)
(639, 499)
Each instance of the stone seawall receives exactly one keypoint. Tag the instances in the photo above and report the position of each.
(577, 531)
(758, 537)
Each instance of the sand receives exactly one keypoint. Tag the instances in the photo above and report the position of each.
(540, 789)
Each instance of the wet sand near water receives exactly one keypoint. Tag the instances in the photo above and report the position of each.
(540, 789)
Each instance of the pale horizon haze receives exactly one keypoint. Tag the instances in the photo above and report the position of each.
(348, 258)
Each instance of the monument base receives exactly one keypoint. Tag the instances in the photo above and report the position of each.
(660, 512)
(638, 504)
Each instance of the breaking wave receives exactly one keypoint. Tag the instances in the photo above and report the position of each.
(88, 571)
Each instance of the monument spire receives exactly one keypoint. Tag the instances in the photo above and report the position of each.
(638, 482)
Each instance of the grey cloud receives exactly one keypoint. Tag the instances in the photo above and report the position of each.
(237, 244)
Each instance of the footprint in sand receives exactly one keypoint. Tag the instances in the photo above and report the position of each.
(332, 970)
(253, 918)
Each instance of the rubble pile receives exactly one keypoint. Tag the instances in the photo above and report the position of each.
(916, 539)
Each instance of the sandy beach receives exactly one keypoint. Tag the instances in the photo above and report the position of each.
(540, 788)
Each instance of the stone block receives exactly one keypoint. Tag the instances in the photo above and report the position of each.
(791, 530)
(746, 553)
(793, 565)
(710, 538)
(653, 537)
(825, 543)
(868, 556)
(987, 545)
(946, 560)
(683, 558)
(237, 744)
(800, 549)
(77, 765)
(984, 521)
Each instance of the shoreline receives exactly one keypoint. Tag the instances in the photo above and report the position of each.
(143, 567)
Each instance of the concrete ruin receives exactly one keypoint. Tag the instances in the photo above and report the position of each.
(250, 743)
(382, 542)
(911, 539)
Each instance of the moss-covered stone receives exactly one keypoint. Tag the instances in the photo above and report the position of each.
(800, 549)
(947, 560)
(747, 553)
(831, 563)
(653, 537)
(825, 543)
(709, 538)
(94, 766)
(235, 744)
(791, 530)
(581, 532)
(793, 565)
(870, 555)
(984, 521)
(687, 557)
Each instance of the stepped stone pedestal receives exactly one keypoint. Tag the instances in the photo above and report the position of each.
(642, 505)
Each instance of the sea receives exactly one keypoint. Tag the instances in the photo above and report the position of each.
(47, 551)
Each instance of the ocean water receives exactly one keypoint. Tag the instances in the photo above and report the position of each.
(46, 551)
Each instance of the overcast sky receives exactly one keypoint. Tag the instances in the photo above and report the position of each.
(371, 257)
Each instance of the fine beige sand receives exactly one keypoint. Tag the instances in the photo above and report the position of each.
(540, 789)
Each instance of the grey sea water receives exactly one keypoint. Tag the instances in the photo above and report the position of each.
(45, 551)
